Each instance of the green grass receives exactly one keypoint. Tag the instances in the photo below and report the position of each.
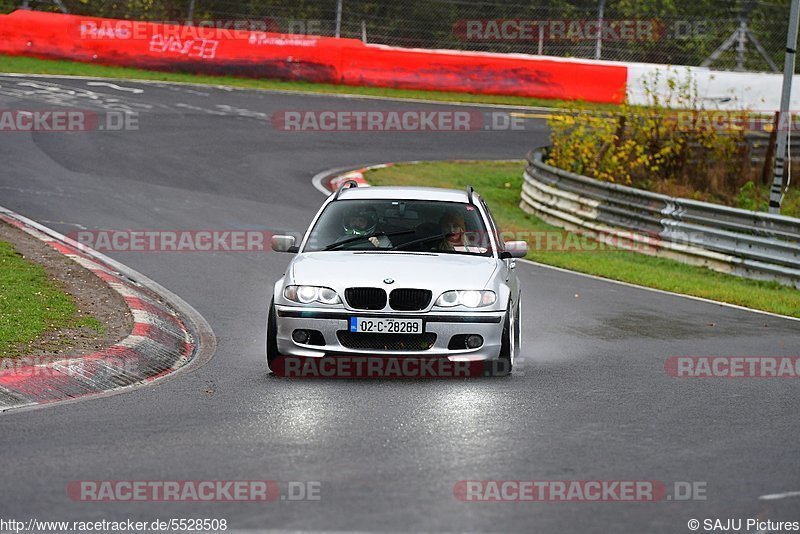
(32, 304)
(30, 65)
(500, 184)
(756, 198)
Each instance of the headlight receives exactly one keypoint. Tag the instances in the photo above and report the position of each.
(309, 294)
(470, 299)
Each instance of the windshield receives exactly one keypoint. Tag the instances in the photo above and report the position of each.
(400, 225)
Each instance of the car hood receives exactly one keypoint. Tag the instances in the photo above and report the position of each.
(339, 270)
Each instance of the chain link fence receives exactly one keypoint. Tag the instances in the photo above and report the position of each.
(745, 35)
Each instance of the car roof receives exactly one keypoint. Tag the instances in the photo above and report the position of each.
(404, 193)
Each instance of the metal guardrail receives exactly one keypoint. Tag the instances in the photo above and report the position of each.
(735, 241)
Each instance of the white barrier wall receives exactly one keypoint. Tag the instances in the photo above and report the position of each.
(717, 89)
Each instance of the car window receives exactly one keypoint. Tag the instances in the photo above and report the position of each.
(501, 245)
(399, 226)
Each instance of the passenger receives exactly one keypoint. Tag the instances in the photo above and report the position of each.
(452, 226)
(456, 238)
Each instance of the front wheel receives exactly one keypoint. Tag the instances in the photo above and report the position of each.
(272, 335)
(517, 328)
(503, 365)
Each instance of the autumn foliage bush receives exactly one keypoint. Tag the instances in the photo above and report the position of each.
(665, 146)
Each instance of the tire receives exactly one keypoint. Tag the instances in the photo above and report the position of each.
(503, 364)
(517, 330)
(272, 335)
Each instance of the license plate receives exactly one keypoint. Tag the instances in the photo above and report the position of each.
(386, 326)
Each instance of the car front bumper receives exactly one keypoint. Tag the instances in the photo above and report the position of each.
(488, 325)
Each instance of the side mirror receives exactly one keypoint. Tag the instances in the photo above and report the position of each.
(517, 249)
(284, 243)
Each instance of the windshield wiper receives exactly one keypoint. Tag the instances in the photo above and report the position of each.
(418, 241)
(334, 246)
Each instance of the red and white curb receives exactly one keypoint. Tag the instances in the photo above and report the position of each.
(167, 335)
(330, 180)
(356, 176)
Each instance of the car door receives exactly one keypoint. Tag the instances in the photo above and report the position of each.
(506, 266)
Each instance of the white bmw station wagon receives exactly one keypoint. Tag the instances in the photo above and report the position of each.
(398, 272)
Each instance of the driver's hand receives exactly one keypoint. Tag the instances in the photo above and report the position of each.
(375, 241)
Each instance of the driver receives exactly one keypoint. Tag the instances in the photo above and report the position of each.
(363, 220)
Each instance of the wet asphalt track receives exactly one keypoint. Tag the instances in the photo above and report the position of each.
(589, 400)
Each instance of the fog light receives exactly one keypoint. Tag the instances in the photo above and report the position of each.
(474, 341)
(300, 336)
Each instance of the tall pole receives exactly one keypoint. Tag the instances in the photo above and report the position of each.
(740, 46)
(338, 18)
(541, 40)
(598, 45)
(784, 120)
